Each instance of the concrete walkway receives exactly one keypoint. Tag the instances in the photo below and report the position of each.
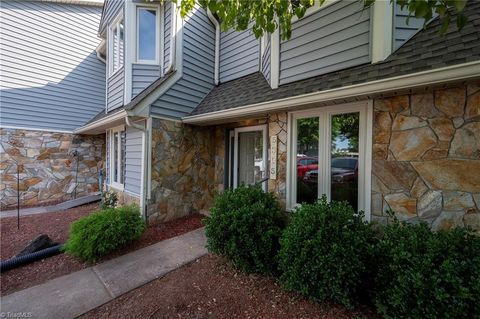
(54, 208)
(77, 293)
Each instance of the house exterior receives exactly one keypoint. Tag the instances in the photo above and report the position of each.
(51, 83)
(357, 105)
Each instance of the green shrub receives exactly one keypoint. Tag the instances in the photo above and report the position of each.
(103, 232)
(422, 274)
(325, 252)
(244, 226)
(109, 200)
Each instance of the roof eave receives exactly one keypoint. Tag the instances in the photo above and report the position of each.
(409, 81)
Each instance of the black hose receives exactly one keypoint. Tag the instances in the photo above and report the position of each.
(26, 259)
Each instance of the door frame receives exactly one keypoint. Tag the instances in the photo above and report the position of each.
(234, 165)
(365, 108)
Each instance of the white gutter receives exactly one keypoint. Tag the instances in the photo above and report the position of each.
(217, 45)
(419, 79)
(104, 121)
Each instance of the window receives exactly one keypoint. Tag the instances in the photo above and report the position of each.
(147, 34)
(116, 45)
(117, 157)
(329, 155)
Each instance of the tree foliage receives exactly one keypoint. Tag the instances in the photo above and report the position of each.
(265, 16)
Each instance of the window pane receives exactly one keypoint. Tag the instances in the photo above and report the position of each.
(121, 44)
(307, 160)
(122, 157)
(251, 167)
(344, 158)
(115, 157)
(147, 34)
(114, 49)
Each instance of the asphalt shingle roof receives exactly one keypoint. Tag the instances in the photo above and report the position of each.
(427, 50)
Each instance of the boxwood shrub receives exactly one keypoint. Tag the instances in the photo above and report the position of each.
(325, 252)
(423, 274)
(102, 232)
(244, 226)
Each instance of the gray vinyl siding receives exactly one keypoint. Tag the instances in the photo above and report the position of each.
(402, 30)
(133, 161)
(266, 60)
(50, 76)
(167, 34)
(142, 76)
(115, 89)
(334, 38)
(111, 8)
(239, 54)
(198, 69)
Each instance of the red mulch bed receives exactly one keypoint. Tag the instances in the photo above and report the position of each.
(211, 288)
(56, 225)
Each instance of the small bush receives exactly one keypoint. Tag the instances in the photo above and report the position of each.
(422, 274)
(245, 226)
(102, 232)
(109, 200)
(325, 252)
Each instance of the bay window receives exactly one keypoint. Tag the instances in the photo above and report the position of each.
(147, 34)
(329, 155)
(116, 45)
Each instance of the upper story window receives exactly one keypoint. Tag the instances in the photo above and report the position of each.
(147, 34)
(116, 45)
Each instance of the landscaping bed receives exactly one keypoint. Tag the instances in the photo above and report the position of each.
(212, 288)
(56, 225)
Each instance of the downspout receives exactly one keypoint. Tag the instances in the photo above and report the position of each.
(217, 45)
(144, 180)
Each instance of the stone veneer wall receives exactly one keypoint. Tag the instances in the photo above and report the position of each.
(183, 169)
(426, 157)
(47, 168)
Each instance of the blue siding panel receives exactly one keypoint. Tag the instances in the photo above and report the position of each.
(142, 76)
(403, 31)
(111, 8)
(331, 39)
(167, 34)
(115, 89)
(50, 79)
(239, 54)
(133, 160)
(198, 68)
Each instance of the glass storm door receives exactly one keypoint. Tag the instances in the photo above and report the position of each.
(329, 156)
(250, 156)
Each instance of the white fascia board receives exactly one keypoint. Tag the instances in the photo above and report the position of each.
(102, 122)
(442, 75)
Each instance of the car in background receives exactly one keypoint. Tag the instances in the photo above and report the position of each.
(306, 164)
(343, 169)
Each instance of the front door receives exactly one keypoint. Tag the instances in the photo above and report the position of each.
(249, 165)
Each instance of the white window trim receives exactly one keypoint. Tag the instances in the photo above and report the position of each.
(112, 182)
(263, 129)
(157, 30)
(111, 50)
(365, 151)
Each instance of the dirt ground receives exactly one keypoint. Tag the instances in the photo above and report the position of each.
(56, 225)
(211, 288)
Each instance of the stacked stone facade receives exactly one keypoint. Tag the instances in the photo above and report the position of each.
(47, 168)
(426, 157)
(183, 169)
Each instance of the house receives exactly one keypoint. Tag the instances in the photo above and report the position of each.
(52, 82)
(357, 105)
